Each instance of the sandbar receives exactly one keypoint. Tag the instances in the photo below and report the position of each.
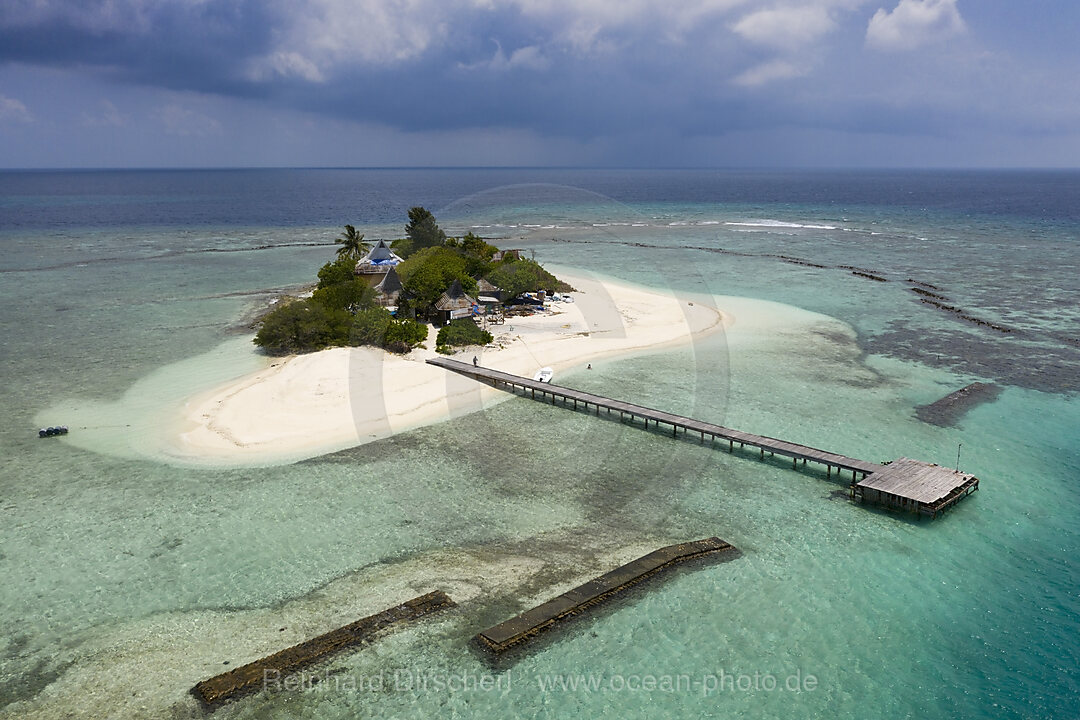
(307, 405)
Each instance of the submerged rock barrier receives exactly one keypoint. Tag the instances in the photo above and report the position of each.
(250, 678)
(949, 409)
(531, 623)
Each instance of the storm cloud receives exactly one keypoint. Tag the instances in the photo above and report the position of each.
(603, 81)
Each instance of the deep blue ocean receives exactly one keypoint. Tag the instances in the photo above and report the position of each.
(52, 200)
(128, 578)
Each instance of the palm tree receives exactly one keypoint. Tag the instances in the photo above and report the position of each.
(352, 244)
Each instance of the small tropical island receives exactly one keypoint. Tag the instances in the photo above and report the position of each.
(383, 295)
(347, 364)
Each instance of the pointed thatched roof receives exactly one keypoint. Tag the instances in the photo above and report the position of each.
(454, 298)
(391, 284)
(378, 259)
(381, 252)
(485, 287)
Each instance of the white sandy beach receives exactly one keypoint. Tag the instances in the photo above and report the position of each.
(311, 404)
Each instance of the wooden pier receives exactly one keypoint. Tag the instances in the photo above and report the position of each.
(907, 484)
(531, 623)
(251, 677)
(913, 488)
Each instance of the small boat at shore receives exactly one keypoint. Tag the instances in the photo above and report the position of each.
(544, 375)
(52, 431)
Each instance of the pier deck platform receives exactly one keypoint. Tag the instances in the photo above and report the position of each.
(908, 484)
(531, 623)
(910, 480)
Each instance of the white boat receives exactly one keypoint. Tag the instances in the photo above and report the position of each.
(544, 375)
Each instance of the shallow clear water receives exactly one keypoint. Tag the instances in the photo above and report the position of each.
(127, 580)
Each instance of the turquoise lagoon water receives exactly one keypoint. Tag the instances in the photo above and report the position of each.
(127, 579)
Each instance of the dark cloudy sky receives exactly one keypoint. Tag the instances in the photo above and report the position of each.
(135, 83)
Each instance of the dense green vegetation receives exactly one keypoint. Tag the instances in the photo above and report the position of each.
(403, 335)
(340, 288)
(476, 252)
(428, 273)
(376, 326)
(307, 325)
(520, 276)
(302, 326)
(462, 331)
(421, 232)
(352, 244)
(344, 310)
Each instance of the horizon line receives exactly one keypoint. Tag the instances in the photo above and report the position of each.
(725, 168)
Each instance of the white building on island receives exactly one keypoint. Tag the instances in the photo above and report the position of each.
(379, 260)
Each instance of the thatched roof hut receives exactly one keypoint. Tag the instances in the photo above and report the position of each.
(454, 303)
(377, 262)
(389, 288)
(484, 287)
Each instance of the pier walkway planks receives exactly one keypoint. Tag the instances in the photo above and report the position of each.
(531, 623)
(909, 486)
(250, 677)
(677, 422)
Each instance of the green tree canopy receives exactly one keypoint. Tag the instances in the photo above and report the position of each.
(352, 244)
(339, 271)
(403, 335)
(462, 331)
(340, 289)
(403, 247)
(342, 310)
(308, 325)
(369, 326)
(477, 253)
(521, 276)
(378, 327)
(428, 273)
(302, 326)
(422, 230)
(351, 297)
